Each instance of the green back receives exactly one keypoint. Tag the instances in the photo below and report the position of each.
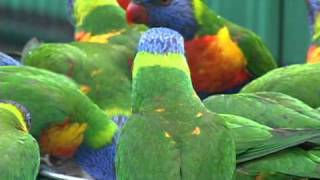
(53, 98)
(103, 68)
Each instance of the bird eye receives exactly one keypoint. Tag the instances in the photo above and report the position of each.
(165, 2)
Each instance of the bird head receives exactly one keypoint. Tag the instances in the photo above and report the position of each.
(174, 14)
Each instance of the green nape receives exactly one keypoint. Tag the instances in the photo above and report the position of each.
(20, 151)
(171, 135)
(258, 56)
(83, 7)
(104, 19)
(52, 99)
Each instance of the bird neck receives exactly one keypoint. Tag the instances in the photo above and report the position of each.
(7, 122)
(209, 21)
(314, 18)
(81, 8)
(17, 118)
(100, 128)
(162, 82)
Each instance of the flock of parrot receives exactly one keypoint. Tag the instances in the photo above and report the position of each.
(159, 89)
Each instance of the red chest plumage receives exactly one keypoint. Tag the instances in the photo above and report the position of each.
(216, 63)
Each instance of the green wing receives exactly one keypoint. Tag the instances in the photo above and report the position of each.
(53, 98)
(288, 164)
(299, 81)
(103, 71)
(272, 109)
(20, 156)
(254, 140)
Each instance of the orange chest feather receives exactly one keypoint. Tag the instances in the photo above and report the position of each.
(217, 64)
(62, 140)
(314, 54)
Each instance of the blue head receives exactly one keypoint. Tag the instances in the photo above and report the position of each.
(100, 163)
(174, 14)
(314, 9)
(161, 41)
(6, 60)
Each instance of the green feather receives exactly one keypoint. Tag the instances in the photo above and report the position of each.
(102, 68)
(20, 156)
(51, 99)
(299, 81)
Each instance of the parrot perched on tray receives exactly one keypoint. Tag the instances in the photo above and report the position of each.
(222, 55)
(63, 117)
(6, 60)
(299, 81)
(20, 157)
(176, 123)
(314, 20)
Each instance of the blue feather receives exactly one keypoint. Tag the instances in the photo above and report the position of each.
(6, 60)
(179, 15)
(314, 9)
(100, 163)
(161, 41)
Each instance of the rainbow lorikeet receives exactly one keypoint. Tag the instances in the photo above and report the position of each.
(101, 69)
(6, 60)
(299, 81)
(181, 138)
(222, 55)
(63, 117)
(314, 20)
(20, 157)
(278, 111)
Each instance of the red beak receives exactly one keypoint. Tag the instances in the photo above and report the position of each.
(136, 14)
(123, 3)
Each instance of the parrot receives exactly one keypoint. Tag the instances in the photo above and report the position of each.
(102, 68)
(313, 55)
(6, 60)
(300, 81)
(63, 117)
(20, 151)
(175, 122)
(275, 110)
(222, 55)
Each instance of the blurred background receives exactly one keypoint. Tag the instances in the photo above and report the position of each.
(282, 24)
